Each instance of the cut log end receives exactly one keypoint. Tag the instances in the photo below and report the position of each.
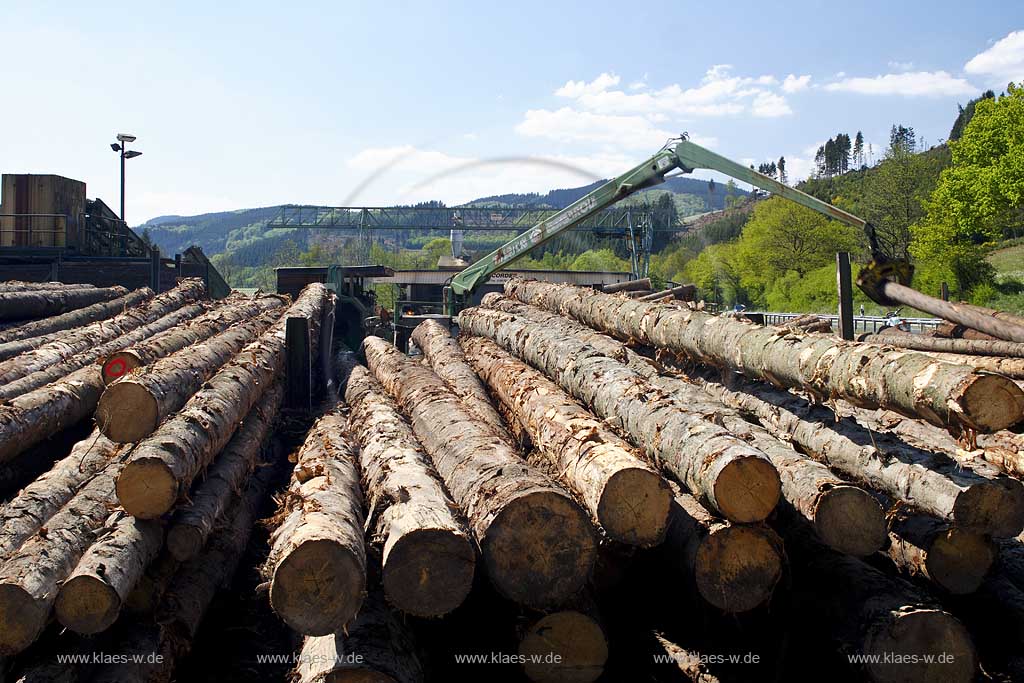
(184, 541)
(959, 560)
(996, 507)
(87, 605)
(747, 489)
(851, 521)
(992, 402)
(540, 549)
(22, 619)
(356, 676)
(146, 488)
(318, 587)
(429, 572)
(634, 507)
(127, 412)
(564, 647)
(927, 634)
(737, 568)
(119, 364)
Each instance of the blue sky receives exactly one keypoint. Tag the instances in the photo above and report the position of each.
(253, 104)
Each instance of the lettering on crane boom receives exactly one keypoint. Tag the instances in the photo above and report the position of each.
(537, 235)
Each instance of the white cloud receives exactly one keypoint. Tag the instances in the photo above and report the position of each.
(901, 66)
(914, 83)
(794, 83)
(570, 125)
(770, 105)
(580, 88)
(1001, 63)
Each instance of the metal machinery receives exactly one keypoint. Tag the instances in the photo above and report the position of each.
(678, 154)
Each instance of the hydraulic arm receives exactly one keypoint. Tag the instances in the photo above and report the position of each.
(682, 155)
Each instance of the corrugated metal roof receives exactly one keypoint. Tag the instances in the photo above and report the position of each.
(440, 277)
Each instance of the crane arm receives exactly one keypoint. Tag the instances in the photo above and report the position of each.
(679, 154)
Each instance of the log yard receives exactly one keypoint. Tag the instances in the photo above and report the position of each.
(634, 430)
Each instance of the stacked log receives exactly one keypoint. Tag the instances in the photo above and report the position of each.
(427, 555)
(46, 330)
(623, 494)
(317, 563)
(910, 383)
(91, 336)
(952, 558)
(537, 544)
(568, 644)
(628, 286)
(37, 303)
(731, 477)
(163, 466)
(134, 406)
(845, 517)
(22, 286)
(234, 309)
(448, 362)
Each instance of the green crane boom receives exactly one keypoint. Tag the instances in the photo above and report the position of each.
(679, 154)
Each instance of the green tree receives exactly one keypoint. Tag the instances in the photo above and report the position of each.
(979, 199)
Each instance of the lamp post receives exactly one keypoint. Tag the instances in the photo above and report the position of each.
(121, 146)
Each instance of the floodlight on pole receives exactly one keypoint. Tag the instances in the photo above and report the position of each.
(124, 139)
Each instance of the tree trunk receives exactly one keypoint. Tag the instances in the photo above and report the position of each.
(954, 331)
(317, 562)
(1008, 367)
(234, 309)
(845, 517)
(428, 557)
(976, 500)
(375, 648)
(145, 597)
(44, 303)
(567, 645)
(134, 406)
(682, 292)
(39, 501)
(734, 567)
(447, 360)
(49, 329)
(22, 286)
(56, 371)
(975, 347)
(866, 375)
(688, 663)
(163, 466)
(537, 544)
(91, 336)
(730, 476)
(90, 599)
(953, 559)
(628, 286)
(883, 618)
(28, 419)
(623, 494)
(29, 579)
(193, 522)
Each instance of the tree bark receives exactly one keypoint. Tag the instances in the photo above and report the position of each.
(29, 579)
(623, 494)
(951, 558)
(975, 499)
(628, 286)
(537, 544)
(163, 466)
(90, 599)
(375, 648)
(49, 329)
(317, 562)
(149, 590)
(447, 360)
(234, 309)
(134, 406)
(28, 419)
(39, 501)
(866, 375)
(194, 521)
(688, 663)
(23, 286)
(970, 347)
(54, 372)
(91, 336)
(428, 557)
(42, 303)
(682, 292)
(1008, 367)
(885, 618)
(734, 567)
(845, 517)
(728, 475)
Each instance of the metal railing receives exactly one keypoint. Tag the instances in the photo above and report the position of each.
(861, 323)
